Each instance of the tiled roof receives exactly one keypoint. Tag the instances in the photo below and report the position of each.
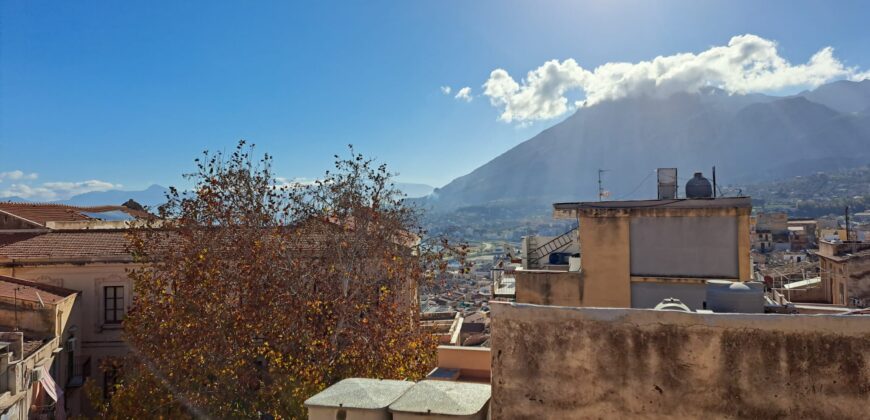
(70, 245)
(27, 290)
(41, 213)
(7, 238)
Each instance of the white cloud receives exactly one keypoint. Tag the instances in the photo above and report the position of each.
(464, 94)
(17, 175)
(49, 191)
(747, 64)
(446, 90)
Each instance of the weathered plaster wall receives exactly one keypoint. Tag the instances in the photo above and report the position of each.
(31, 316)
(604, 238)
(563, 288)
(558, 362)
(817, 294)
(858, 283)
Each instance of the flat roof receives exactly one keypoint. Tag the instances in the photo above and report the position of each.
(683, 203)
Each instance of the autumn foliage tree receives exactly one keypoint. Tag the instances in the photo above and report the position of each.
(256, 294)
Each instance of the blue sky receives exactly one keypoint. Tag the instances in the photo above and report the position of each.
(129, 93)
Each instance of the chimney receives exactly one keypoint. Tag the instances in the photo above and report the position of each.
(667, 183)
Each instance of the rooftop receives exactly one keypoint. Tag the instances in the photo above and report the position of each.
(681, 203)
(69, 245)
(360, 393)
(41, 213)
(443, 397)
(32, 291)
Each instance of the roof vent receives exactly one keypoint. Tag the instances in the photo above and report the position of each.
(699, 187)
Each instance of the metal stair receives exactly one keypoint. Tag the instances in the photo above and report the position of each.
(558, 243)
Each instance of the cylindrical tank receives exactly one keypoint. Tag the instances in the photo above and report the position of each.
(672, 304)
(736, 297)
(699, 187)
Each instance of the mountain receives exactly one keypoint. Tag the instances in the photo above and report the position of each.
(414, 190)
(152, 196)
(747, 137)
(842, 96)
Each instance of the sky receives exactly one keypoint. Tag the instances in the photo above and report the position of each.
(97, 95)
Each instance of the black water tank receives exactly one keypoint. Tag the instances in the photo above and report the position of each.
(699, 187)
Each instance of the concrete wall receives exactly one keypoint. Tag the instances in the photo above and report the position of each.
(542, 287)
(817, 294)
(858, 280)
(472, 362)
(685, 246)
(604, 238)
(557, 362)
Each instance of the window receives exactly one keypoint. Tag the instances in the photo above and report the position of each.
(113, 304)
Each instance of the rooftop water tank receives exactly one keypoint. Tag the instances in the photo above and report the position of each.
(672, 304)
(699, 187)
(735, 297)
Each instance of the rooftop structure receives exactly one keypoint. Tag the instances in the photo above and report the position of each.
(637, 253)
(356, 398)
(443, 400)
(60, 216)
(845, 272)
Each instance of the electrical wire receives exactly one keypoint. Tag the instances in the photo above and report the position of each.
(635, 188)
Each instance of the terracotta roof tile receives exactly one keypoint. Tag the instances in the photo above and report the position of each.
(27, 290)
(41, 213)
(69, 245)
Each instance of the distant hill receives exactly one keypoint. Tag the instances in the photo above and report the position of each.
(152, 196)
(747, 138)
(414, 190)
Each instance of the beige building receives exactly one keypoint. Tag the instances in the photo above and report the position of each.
(84, 249)
(35, 332)
(95, 264)
(637, 253)
(845, 272)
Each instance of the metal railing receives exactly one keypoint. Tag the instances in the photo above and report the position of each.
(555, 244)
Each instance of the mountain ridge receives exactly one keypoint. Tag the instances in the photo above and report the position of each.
(744, 136)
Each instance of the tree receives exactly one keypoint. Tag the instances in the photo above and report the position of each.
(256, 294)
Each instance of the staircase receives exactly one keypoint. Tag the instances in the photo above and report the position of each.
(556, 244)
